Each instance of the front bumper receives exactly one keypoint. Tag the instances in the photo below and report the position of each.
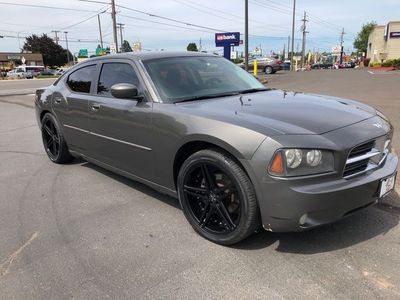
(295, 205)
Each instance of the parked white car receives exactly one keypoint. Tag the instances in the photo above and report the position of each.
(19, 74)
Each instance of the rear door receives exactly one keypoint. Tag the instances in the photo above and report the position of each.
(70, 104)
(121, 131)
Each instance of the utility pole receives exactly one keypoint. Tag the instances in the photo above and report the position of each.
(56, 32)
(66, 41)
(120, 32)
(288, 45)
(101, 36)
(246, 35)
(293, 23)
(303, 49)
(341, 45)
(114, 19)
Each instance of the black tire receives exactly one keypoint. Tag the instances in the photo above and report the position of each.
(53, 140)
(269, 70)
(226, 213)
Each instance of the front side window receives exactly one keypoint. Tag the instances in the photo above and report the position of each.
(80, 80)
(113, 73)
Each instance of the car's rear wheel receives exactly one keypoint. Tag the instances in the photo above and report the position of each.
(53, 140)
(269, 70)
(217, 197)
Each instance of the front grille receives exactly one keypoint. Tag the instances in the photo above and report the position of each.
(366, 156)
(362, 149)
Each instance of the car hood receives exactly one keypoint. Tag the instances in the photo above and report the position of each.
(277, 112)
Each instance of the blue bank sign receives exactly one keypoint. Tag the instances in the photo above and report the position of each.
(227, 40)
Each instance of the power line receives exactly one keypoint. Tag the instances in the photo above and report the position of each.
(45, 6)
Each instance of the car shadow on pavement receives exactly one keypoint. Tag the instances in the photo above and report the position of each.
(135, 185)
(359, 227)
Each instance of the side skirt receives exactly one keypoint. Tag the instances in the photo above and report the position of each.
(153, 185)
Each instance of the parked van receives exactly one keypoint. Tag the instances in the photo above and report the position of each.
(34, 70)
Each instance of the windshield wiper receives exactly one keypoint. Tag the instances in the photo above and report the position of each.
(207, 97)
(252, 90)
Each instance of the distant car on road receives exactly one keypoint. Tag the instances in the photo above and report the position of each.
(19, 74)
(265, 64)
(237, 154)
(322, 65)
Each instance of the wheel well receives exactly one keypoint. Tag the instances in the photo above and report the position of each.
(42, 114)
(188, 149)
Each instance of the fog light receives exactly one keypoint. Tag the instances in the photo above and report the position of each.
(314, 157)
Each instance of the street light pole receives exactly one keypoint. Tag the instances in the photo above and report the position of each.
(66, 41)
(293, 23)
(101, 36)
(246, 35)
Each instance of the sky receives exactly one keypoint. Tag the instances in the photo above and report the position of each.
(269, 22)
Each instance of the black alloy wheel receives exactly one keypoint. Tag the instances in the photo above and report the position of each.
(217, 197)
(53, 140)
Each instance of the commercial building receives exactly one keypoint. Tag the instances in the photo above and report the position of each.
(9, 60)
(384, 42)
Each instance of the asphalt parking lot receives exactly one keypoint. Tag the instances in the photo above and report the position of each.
(78, 231)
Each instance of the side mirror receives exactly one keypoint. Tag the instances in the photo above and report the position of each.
(125, 91)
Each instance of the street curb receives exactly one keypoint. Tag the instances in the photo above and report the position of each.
(17, 94)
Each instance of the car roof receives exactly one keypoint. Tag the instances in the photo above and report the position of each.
(153, 55)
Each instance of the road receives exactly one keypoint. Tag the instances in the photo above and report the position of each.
(78, 231)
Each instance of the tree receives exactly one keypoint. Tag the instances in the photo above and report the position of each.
(53, 55)
(192, 47)
(126, 47)
(361, 40)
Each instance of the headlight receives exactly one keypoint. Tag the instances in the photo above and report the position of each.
(301, 162)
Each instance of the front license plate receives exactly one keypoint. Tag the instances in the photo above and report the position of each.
(387, 185)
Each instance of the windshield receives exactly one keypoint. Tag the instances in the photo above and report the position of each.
(198, 77)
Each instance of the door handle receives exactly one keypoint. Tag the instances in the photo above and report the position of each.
(57, 100)
(95, 106)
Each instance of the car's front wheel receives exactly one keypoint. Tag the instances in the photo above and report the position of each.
(53, 140)
(217, 197)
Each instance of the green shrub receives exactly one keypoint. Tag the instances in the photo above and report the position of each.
(396, 63)
(375, 64)
(388, 63)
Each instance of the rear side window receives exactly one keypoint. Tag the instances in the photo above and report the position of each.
(113, 73)
(80, 80)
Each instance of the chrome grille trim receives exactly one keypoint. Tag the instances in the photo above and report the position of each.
(366, 156)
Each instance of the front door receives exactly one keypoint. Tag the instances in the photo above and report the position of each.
(121, 131)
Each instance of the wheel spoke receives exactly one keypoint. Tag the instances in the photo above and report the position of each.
(49, 143)
(208, 177)
(206, 214)
(48, 130)
(195, 191)
(224, 214)
(54, 144)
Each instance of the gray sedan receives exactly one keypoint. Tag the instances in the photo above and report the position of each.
(237, 155)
